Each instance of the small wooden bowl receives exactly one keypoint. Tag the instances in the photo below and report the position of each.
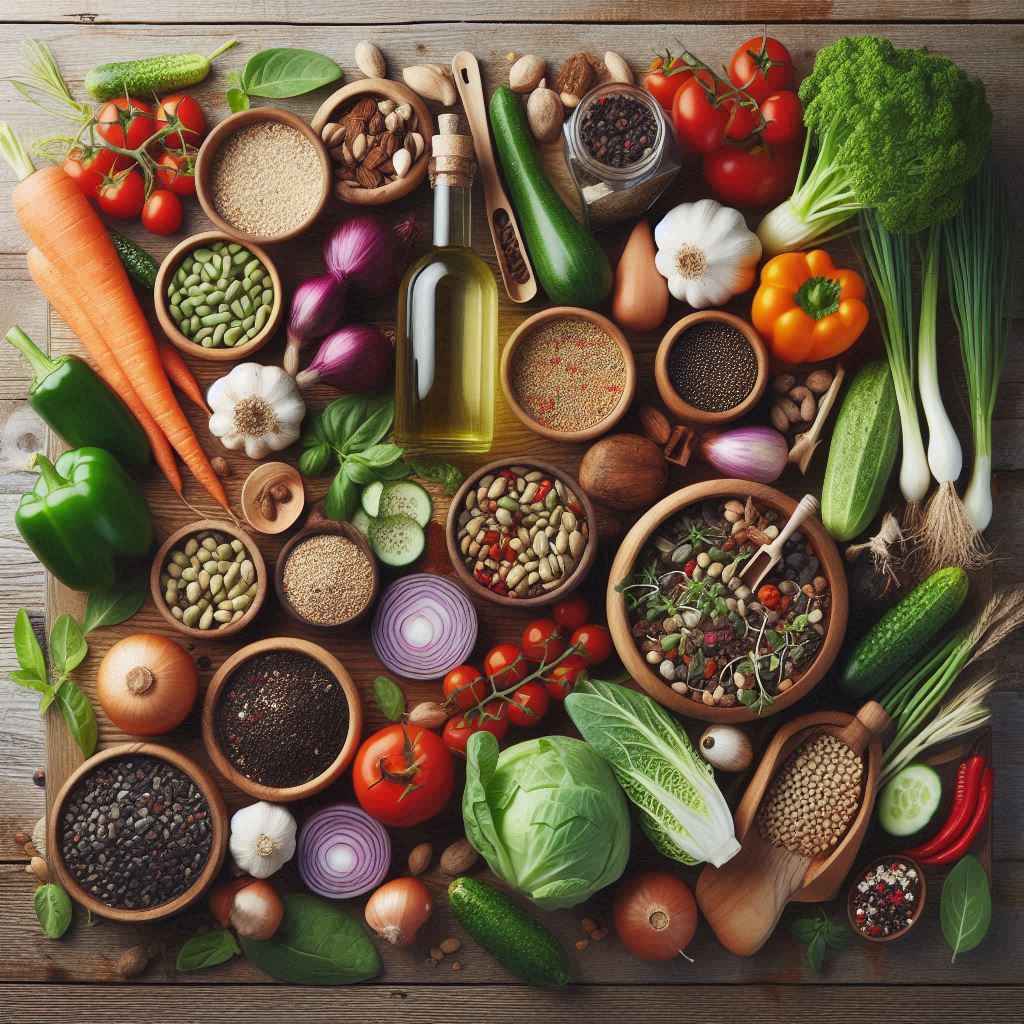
(345, 755)
(525, 329)
(576, 577)
(851, 915)
(636, 540)
(288, 512)
(168, 546)
(669, 395)
(349, 532)
(385, 89)
(163, 312)
(218, 818)
(220, 134)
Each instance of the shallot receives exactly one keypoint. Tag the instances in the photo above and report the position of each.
(356, 358)
(370, 253)
(750, 453)
(316, 310)
(399, 910)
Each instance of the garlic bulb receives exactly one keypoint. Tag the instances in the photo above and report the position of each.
(257, 408)
(262, 838)
(707, 253)
(727, 748)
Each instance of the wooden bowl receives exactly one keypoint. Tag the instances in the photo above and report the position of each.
(163, 311)
(576, 577)
(385, 89)
(222, 526)
(850, 914)
(218, 818)
(288, 512)
(526, 328)
(221, 133)
(669, 395)
(634, 543)
(326, 526)
(345, 755)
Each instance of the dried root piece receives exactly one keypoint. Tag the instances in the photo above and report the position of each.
(888, 549)
(947, 536)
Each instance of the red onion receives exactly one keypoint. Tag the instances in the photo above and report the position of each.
(750, 453)
(369, 252)
(424, 626)
(316, 310)
(356, 358)
(343, 852)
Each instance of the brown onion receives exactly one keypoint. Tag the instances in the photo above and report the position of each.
(398, 910)
(655, 915)
(249, 905)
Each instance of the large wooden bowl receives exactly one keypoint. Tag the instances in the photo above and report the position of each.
(218, 819)
(345, 755)
(633, 545)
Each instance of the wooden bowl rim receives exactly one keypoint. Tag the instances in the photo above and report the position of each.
(576, 577)
(345, 755)
(218, 817)
(223, 526)
(399, 93)
(170, 264)
(212, 143)
(294, 480)
(669, 395)
(544, 316)
(859, 874)
(638, 535)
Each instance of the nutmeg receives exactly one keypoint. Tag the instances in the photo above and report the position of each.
(624, 472)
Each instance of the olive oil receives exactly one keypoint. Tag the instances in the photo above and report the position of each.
(447, 320)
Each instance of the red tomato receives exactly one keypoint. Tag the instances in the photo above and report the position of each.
(88, 168)
(403, 775)
(665, 77)
(571, 612)
(177, 171)
(596, 642)
(123, 195)
(784, 118)
(193, 121)
(742, 120)
(506, 665)
(562, 678)
(752, 177)
(530, 705)
(543, 640)
(465, 686)
(699, 116)
(494, 720)
(125, 122)
(761, 66)
(162, 213)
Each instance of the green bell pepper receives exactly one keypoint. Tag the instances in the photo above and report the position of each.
(84, 517)
(78, 405)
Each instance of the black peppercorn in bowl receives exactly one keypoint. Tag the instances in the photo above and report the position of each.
(137, 833)
(886, 898)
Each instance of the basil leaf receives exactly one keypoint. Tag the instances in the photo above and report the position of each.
(117, 605)
(816, 953)
(317, 944)
(374, 427)
(283, 71)
(78, 713)
(378, 455)
(67, 644)
(806, 930)
(47, 699)
(314, 432)
(237, 98)
(838, 936)
(966, 908)
(207, 950)
(313, 461)
(342, 498)
(26, 646)
(390, 698)
(446, 474)
(53, 909)
(22, 677)
(395, 471)
(358, 472)
(341, 418)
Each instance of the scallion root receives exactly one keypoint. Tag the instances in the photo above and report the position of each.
(888, 549)
(946, 535)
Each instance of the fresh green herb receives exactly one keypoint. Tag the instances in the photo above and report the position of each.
(966, 908)
(67, 644)
(119, 604)
(432, 471)
(390, 698)
(53, 909)
(280, 73)
(237, 97)
(207, 950)
(819, 934)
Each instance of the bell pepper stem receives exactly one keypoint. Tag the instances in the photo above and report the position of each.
(42, 365)
(47, 470)
(818, 297)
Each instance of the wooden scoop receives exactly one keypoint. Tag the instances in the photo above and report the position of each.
(466, 70)
(744, 898)
(768, 556)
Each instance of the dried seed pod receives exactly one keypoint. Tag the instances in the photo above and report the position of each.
(544, 114)
(526, 73)
(458, 858)
(370, 60)
(419, 858)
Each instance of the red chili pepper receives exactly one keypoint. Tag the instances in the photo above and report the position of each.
(495, 552)
(542, 490)
(966, 838)
(965, 797)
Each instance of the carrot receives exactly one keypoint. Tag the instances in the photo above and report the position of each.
(60, 222)
(70, 310)
(181, 376)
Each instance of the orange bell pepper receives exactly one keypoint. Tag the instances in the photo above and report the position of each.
(805, 309)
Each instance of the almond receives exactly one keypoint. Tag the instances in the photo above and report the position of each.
(655, 424)
(419, 858)
(333, 134)
(401, 161)
(368, 177)
(363, 109)
(544, 113)
(618, 68)
(458, 858)
(526, 73)
(430, 81)
(428, 714)
(376, 124)
(374, 157)
(391, 141)
(370, 60)
(359, 147)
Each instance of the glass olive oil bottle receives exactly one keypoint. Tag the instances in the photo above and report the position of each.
(447, 319)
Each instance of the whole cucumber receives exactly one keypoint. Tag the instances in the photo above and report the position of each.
(150, 75)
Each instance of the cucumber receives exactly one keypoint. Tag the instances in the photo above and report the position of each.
(404, 498)
(508, 933)
(904, 632)
(370, 498)
(140, 266)
(862, 453)
(909, 800)
(150, 75)
(363, 522)
(397, 540)
(570, 266)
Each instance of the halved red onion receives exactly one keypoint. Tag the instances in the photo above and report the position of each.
(343, 852)
(424, 626)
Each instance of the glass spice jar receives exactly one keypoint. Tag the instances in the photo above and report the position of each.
(613, 181)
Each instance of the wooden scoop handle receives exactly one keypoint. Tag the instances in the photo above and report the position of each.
(809, 506)
(870, 721)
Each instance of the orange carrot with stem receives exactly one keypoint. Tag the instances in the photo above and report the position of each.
(181, 376)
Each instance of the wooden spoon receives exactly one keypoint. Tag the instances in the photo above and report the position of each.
(767, 557)
(806, 444)
(466, 69)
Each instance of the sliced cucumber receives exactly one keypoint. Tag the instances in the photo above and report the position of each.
(398, 540)
(909, 800)
(370, 498)
(404, 498)
(363, 522)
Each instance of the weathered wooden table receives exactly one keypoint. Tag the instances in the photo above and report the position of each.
(71, 979)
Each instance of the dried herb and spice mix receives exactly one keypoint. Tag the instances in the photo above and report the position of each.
(328, 579)
(135, 832)
(282, 718)
(618, 130)
(712, 366)
(568, 374)
(707, 635)
(885, 901)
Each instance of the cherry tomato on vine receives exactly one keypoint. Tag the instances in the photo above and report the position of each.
(125, 122)
(596, 642)
(760, 176)
(465, 686)
(784, 118)
(162, 213)
(506, 665)
(762, 65)
(571, 612)
(529, 705)
(177, 171)
(742, 120)
(543, 640)
(560, 681)
(123, 195)
(699, 114)
(87, 168)
(665, 77)
(188, 112)
(494, 720)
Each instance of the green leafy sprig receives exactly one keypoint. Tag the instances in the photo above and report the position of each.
(819, 934)
(279, 73)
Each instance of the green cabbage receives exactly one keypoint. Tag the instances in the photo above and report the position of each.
(548, 817)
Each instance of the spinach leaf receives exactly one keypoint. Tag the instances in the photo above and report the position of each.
(317, 944)
(282, 72)
(53, 909)
(966, 908)
(207, 950)
(78, 713)
(26, 646)
(119, 604)
(67, 644)
(443, 473)
(390, 698)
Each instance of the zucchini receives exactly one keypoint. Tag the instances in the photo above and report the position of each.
(150, 75)
(508, 933)
(570, 266)
(862, 453)
(904, 632)
(141, 267)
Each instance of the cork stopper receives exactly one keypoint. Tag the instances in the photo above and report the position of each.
(452, 161)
